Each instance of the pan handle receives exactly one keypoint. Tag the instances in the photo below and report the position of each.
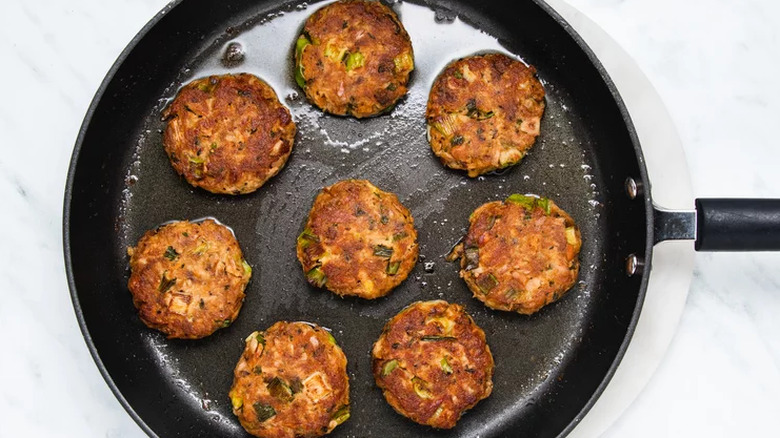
(724, 224)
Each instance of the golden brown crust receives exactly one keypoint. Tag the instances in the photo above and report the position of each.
(520, 255)
(358, 58)
(484, 113)
(433, 363)
(228, 134)
(291, 382)
(188, 279)
(358, 240)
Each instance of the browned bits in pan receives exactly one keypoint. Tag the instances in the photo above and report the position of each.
(290, 382)
(520, 254)
(354, 58)
(228, 134)
(188, 279)
(358, 240)
(484, 113)
(433, 363)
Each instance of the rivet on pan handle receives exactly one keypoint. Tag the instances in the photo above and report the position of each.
(634, 265)
(723, 224)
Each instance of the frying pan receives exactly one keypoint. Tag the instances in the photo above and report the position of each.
(550, 367)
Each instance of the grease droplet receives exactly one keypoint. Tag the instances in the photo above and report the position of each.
(234, 55)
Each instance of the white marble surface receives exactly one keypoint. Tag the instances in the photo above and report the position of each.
(714, 63)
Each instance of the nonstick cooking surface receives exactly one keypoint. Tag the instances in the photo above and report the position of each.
(179, 388)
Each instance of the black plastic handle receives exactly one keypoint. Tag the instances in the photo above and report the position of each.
(737, 224)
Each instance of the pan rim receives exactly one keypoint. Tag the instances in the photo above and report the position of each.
(154, 21)
(67, 210)
(647, 199)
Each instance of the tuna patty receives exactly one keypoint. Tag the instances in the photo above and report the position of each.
(484, 113)
(354, 58)
(188, 279)
(291, 382)
(432, 363)
(358, 240)
(228, 134)
(520, 254)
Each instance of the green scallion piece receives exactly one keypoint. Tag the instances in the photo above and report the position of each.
(316, 277)
(445, 124)
(301, 44)
(279, 389)
(335, 53)
(171, 253)
(486, 283)
(492, 222)
(421, 387)
(471, 255)
(202, 247)
(526, 202)
(307, 237)
(476, 113)
(383, 251)
(392, 267)
(341, 415)
(247, 268)
(165, 283)
(404, 62)
(445, 365)
(386, 110)
(263, 412)
(544, 203)
(300, 79)
(355, 60)
(438, 338)
(389, 367)
(399, 236)
(207, 86)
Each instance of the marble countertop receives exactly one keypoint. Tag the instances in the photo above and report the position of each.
(714, 63)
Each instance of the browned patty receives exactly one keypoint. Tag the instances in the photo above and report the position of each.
(359, 240)
(228, 134)
(291, 382)
(484, 113)
(520, 254)
(188, 279)
(432, 363)
(354, 58)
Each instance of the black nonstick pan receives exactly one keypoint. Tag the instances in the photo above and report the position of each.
(550, 367)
